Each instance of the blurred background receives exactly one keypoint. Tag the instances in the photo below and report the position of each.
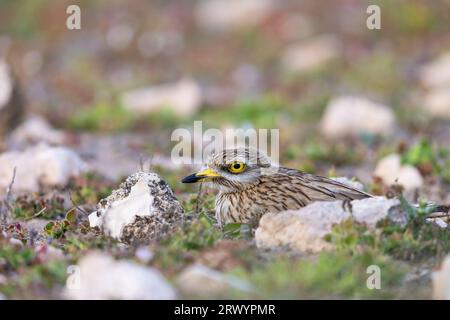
(115, 89)
(80, 110)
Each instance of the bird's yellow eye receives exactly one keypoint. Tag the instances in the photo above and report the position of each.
(236, 167)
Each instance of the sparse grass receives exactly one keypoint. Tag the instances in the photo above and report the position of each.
(415, 241)
(46, 206)
(429, 158)
(330, 275)
(89, 188)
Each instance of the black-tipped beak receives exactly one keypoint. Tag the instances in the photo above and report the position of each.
(191, 178)
(204, 175)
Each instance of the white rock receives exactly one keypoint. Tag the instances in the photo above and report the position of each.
(11, 102)
(437, 103)
(310, 54)
(222, 15)
(349, 116)
(390, 170)
(144, 254)
(304, 230)
(102, 277)
(39, 165)
(6, 84)
(441, 281)
(184, 97)
(438, 222)
(36, 129)
(436, 73)
(199, 280)
(143, 208)
(119, 36)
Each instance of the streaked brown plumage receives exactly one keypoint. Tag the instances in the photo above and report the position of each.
(255, 187)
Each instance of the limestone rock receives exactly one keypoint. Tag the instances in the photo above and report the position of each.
(11, 102)
(436, 73)
(310, 54)
(350, 116)
(304, 229)
(391, 171)
(99, 276)
(199, 280)
(183, 97)
(36, 129)
(441, 281)
(222, 15)
(142, 209)
(39, 165)
(437, 103)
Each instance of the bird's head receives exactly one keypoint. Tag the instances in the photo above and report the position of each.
(232, 169)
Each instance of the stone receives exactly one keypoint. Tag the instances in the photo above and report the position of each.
(223, 15)
(310, 54)
(46, 253)
(437, 103)
(441, 281)
(183, 97)
(142, 209)
(391, 171)
(144, 254)
(352, 183)
(40, 165)
(119, 36)
(304, 229)
(436, 73)
(98, 276)
(201, 281)
(351, 116)
(11, 102)
(34, 130)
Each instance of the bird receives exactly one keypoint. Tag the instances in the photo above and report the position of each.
(250, 185)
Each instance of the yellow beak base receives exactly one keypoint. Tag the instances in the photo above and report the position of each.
(201, 176)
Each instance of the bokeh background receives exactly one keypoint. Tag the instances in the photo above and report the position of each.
(262, 64)
(114, 90)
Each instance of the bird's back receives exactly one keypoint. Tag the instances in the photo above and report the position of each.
(285, 189)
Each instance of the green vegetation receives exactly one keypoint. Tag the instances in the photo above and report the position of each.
(429, 159)
(265, 112)
(417, 240)
(330, 275)
(44, 206)
(102, 117)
